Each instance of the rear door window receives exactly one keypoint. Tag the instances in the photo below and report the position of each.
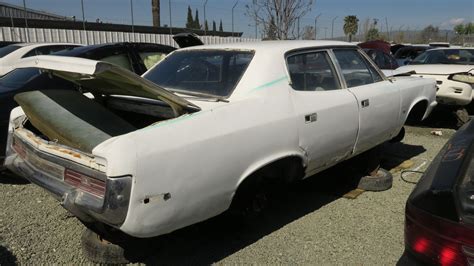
(312, 71)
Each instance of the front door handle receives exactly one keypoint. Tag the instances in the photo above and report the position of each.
(365, 103)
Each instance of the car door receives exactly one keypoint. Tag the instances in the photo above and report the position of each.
(327, 114)
(378, 99)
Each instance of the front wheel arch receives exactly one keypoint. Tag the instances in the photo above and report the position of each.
(417, 112)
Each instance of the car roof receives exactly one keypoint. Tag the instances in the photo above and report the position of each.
(275, 46)
(43, 44)
(452, 48)
(84, 49)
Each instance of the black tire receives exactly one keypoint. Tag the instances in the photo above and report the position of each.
(381, 181)
(120, 249)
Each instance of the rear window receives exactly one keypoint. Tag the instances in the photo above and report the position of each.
(8, 49)
(212, 72)
(17, 78)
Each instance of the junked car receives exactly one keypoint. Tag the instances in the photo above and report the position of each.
(453, 69)
(205, 130)
(439, 214)
(10, 54)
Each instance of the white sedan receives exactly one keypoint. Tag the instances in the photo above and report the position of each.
(453, 69)
(147, 156)
(11, 54)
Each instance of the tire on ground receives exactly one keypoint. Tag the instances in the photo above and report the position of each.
(121, 250)
(380, 182)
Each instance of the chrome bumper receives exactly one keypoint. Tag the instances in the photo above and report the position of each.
(111, 209)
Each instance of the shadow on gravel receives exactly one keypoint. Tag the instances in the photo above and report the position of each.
(7, 177)
(397, 153)
(6, 257)
(219, 237)
(440, 117)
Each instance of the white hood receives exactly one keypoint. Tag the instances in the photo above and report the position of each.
(442, 69)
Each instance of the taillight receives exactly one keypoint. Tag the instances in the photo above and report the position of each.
(85, 183)
(437, 240)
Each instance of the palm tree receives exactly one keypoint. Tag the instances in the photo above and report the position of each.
(351, 24)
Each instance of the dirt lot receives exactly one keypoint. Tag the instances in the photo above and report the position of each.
(309, 222)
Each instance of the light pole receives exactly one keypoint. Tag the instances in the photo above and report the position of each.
(205, 31)
(26, 21)
(332, 27)
(171, 24)
(84, 22)
(315, 23)
(236, 2)
(131, 12)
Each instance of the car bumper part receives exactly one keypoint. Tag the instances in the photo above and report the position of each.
(47, 171)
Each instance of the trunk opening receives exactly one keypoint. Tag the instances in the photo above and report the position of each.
(72, 119)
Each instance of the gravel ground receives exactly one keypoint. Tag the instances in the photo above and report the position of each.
(307, 223)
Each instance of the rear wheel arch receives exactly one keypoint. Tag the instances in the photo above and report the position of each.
(287, 168)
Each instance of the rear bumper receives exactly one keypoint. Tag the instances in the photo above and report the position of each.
(110, 209)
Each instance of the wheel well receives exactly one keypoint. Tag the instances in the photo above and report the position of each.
(282, 171)
(418, 111)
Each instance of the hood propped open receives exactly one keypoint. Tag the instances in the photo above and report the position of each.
(106, 79)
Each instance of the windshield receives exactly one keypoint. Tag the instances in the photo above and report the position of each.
(18, 78)
(446, 56)
(207, 72)
(8, 49)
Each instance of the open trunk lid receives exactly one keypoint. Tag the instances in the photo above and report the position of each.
(69, 118)
(107, 79)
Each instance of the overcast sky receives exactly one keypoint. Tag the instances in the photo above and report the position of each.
(404, 14)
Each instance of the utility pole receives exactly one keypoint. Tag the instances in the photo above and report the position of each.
(298, 28)
(84, 22)
(236, 2)
(171, 23)
(133, 26)
(315, 23)
(325, 32)
(332, 27)
(205, 31)
(26, 21)
(386, 25)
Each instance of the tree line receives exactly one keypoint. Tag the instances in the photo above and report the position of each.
(194, 23)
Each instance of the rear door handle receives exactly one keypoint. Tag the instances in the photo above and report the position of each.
(309, 118)
(365, 103)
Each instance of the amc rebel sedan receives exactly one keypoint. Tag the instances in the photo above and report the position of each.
(208, 124)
